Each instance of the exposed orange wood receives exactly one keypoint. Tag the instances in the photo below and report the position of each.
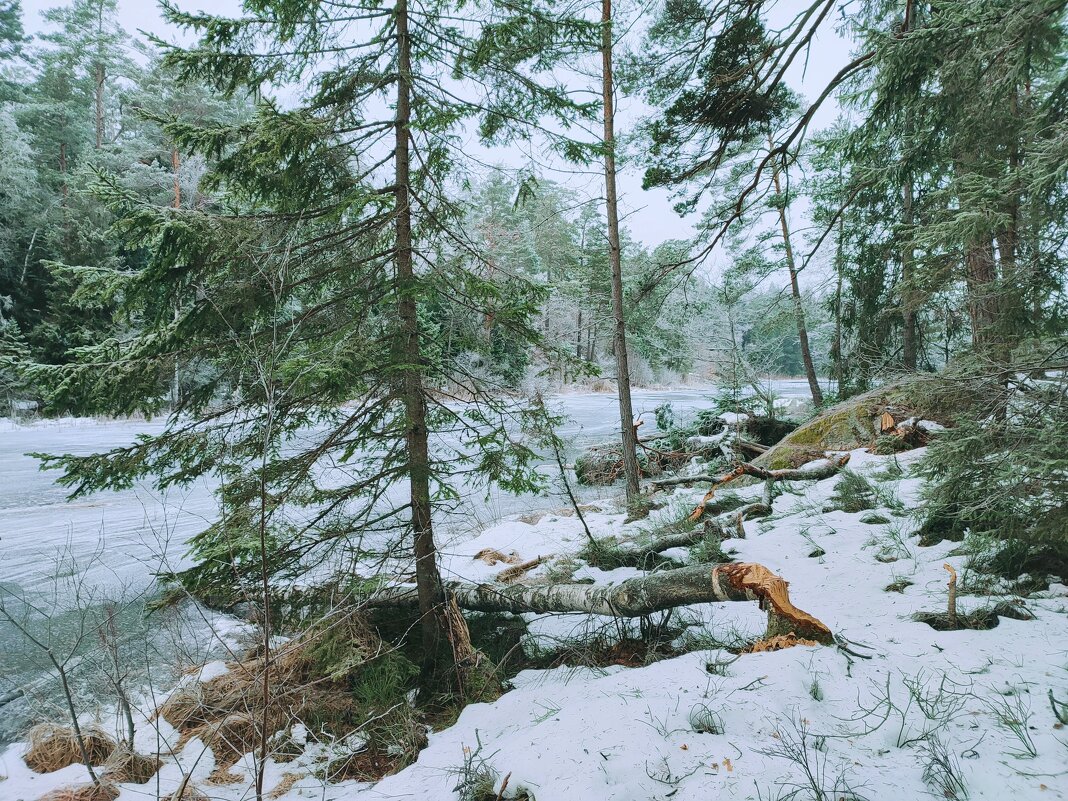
(510, 574)
(772, 591)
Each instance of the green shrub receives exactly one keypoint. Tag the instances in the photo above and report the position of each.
(853, 493)
(607, 554)
(1001, 476)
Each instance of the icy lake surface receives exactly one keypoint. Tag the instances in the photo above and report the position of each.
(120, 539)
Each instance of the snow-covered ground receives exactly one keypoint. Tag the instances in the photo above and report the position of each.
(927, 710)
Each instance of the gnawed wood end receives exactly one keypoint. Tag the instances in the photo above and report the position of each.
(756, 582)
(510, 574)
(777, 643)
(491, 557)
(726, 478)
(457, 632)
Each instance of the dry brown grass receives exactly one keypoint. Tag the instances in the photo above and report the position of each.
(183, 706)
(223, 775)
(285, 785)
(226, 712)
(128, 767)
(368, 765)
(105, 791)
(229, 738)
(53, 747)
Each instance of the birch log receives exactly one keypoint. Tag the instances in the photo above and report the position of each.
(637, 596)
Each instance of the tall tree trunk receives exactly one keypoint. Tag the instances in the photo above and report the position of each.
(908, 278)
(836, 346)
(578, 335)
(65, 198)
(176, 204)
(1013, 289)
(428, 580)
(175, 164)
(65, 189)
(795, 291)
(619, 342)
(98, 79)
(981, 275)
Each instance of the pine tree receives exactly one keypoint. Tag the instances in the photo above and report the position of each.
(721, 115)
(960, 117)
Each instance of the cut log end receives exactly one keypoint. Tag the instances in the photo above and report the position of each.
(772, 591)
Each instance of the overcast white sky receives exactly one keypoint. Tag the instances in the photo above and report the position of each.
(649, 215)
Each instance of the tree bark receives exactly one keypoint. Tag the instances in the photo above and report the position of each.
(98, 79)
(175, 165)
(63, 172)
(981, 274)
(795, 291)
(908, 304)
(428, 580)
(639, 596)
(815, 472)
(837, 356)
(626, 411)
(1008, 239)
(908, 299)
(65, 198)
(680, 539)
(826, 470)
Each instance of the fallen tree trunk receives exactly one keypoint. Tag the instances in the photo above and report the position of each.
(811, 472)
(748, 446)
(637, 596)
(682, 539)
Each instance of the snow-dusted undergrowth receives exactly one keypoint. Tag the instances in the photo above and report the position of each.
(931, 714)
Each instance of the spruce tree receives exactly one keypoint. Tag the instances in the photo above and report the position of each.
(961, 99)
(306, 294)
(12, 43)
(725, 111)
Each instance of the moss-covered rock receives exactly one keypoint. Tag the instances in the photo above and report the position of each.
(854, 423)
